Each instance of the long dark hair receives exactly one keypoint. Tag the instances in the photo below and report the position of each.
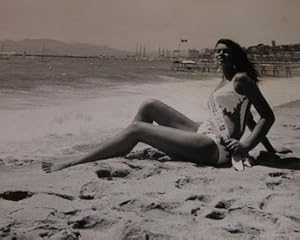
(240, 58)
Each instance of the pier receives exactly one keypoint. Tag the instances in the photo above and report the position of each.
(264, 69)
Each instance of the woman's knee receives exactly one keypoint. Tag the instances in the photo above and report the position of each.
(149, 104)
(147, 108)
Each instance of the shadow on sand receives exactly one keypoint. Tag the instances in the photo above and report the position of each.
(264, 159)
(276, 161)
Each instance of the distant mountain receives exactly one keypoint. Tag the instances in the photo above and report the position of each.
(54, 47)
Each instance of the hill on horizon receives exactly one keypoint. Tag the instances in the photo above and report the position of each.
(56, 47)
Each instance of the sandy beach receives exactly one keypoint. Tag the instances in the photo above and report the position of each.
(141, 197)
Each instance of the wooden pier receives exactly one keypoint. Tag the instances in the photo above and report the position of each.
(264, 69)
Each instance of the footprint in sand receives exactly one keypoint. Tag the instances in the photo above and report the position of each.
(64, 196)
(92, 222)
(88, 191)
(16, 195)
(130, 205)
(224, 204)
(181, 182)
(263, 204)
(137, 232)
(149, 172)
(274, 179)
(202, 198)
(63, 234)
(252, 213)
(120, 173)
(278, 174)
(216, 215)
(272, 185)
(195, 211)
(133, 205)
(6, 230)
(236, 189)
(109, 174)
(164, 206)
(91, 190)
(185, 180)
(245, 230)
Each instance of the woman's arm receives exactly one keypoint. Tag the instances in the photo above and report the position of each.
(248, 87)
(265, 142)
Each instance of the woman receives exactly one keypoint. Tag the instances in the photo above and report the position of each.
(212, 143)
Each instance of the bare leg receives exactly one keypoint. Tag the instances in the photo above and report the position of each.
(154, 110)
(187, 144)
(150, 111)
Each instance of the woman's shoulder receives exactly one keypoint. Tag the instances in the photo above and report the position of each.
(243, 82)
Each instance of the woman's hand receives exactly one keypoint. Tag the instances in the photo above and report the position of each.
(234, 146)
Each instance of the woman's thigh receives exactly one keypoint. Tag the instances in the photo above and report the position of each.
(165, 115)
(185, 144)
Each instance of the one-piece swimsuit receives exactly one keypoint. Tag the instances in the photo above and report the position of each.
(227, 111)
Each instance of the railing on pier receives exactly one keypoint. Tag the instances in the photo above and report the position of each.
(276, 69)
(264, 69)
(193, 66)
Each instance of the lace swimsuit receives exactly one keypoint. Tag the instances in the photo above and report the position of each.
(227, 117)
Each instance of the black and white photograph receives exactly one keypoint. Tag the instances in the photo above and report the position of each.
(149, 120)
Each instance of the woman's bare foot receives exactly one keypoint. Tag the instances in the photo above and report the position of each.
(53, 167)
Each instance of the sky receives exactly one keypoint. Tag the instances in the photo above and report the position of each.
(124, 24)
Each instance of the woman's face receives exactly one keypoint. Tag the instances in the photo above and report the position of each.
(223, 54)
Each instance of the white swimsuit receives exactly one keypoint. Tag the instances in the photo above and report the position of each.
(227, 117)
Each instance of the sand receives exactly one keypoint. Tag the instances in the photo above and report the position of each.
(150, 199)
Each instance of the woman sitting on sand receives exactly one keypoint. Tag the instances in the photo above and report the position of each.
(215, 142)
